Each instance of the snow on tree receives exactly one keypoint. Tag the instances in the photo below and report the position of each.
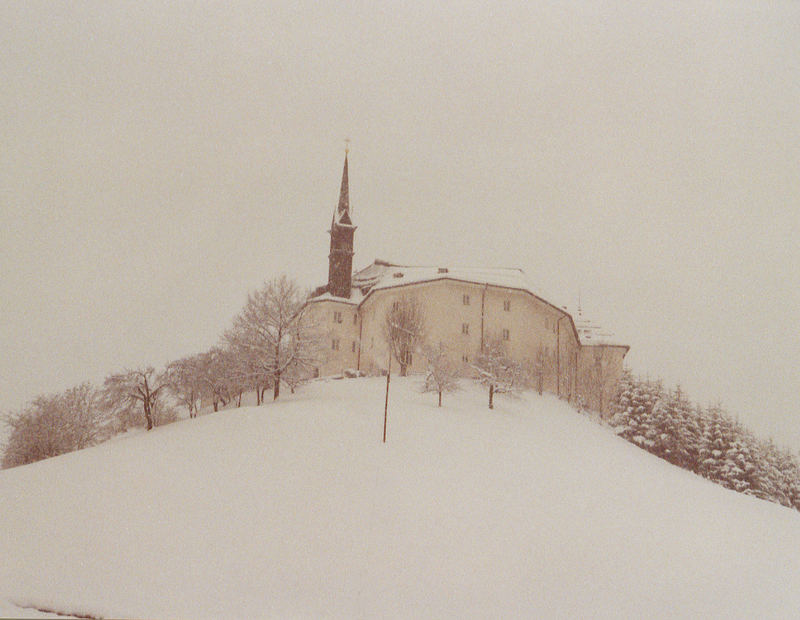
(184, 380)
(274, 332)
(218, 382)
(130, 391)
(55, 424)
(404, 329)
(633, 412)
(442, 372)
(497, 371)
(706, 441)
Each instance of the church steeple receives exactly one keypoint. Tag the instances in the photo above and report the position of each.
(340, 259)
(343, 210)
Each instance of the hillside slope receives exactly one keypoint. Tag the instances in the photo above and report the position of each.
(296, 509)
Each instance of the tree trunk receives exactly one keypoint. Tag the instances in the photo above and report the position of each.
(491, 396)
(239, 400)
(276, 391)
(216, 405)
(403, 370)
(440, 398)
(148, 416)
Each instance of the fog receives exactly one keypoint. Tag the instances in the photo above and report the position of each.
(160, 161)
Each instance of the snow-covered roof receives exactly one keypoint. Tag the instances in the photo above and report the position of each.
(354, 299)
(383, 275)
(590, 333)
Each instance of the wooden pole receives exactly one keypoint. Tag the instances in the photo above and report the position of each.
(386, 403)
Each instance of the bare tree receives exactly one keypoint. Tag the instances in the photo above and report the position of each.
(404, 327)
(184, 380)
(442, 372)
(126, 391)
(274, 332)
(294, 375)
(541, 367)
(53, 425)
(214, 368)
(496, 370)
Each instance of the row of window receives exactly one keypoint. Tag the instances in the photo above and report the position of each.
(465, 331)
(337, 317)
(549, 324)
(335, 345)
(506, 302)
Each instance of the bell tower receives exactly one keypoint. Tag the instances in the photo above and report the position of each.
(340, 259)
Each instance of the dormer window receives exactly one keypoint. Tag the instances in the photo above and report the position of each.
(465, 300)
(397, 274)
(507, 305)
(337, 317)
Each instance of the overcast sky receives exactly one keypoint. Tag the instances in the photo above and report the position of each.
(159, 161)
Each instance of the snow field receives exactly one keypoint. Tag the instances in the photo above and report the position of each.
(296, 509)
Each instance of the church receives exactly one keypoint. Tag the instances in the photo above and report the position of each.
(464, 308)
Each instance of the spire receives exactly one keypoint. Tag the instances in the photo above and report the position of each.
(343, 210)
(340, 259)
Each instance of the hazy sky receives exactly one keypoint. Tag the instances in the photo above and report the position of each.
(159, 161)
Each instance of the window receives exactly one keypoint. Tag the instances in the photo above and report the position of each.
(465, 328)
(506, 335)
(465, 300)
(354, 346)
(335, 344)
(355, 319)
(547, 322)
(465, 358)
(507, 305)
(337, 317)
(395, 305)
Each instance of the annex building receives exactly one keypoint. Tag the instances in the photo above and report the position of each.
(464, 308)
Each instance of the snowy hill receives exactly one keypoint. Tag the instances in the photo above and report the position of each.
(295, 509)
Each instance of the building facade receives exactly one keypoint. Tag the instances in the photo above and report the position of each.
(465, 309)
